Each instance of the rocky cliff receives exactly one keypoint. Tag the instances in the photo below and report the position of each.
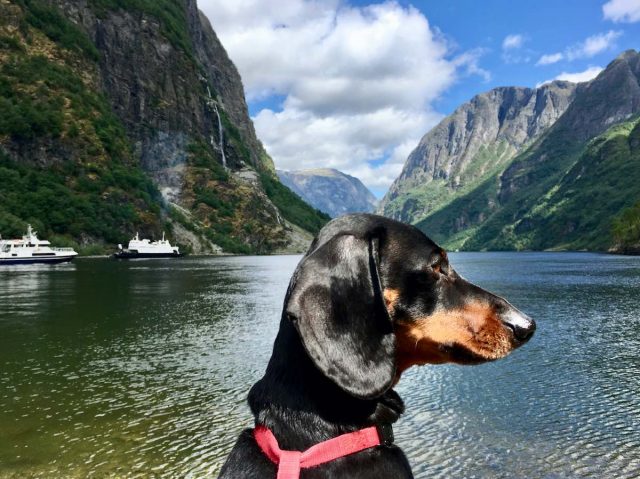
(564, 190)
(330, 191)
(148, 86)
(473, 143)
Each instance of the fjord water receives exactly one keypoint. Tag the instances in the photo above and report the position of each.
(141, 368)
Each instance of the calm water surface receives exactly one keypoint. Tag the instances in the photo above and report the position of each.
(141, 368)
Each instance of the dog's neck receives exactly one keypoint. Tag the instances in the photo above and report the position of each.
(303, 407)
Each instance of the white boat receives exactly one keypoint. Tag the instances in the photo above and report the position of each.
(30, 249)
(144, 248)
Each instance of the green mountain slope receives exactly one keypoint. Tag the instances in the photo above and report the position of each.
(93, 150)
(626, 231)
(565, 189)
(574, 211)
(476, 142)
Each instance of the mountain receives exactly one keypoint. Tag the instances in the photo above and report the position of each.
(475, 142)
(330, 191)
(122, 116)
(567, 186)
(626, 231)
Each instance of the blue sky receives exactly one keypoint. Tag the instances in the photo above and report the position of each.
(546, 27)
(354, 85)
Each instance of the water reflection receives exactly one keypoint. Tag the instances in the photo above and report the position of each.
(140, 368)
(29, 290)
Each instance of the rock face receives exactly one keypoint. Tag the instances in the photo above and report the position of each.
(612, 97)
(169, 88)
(565, 190)
(179, 104)
(330, 191)
(477, 139)
(166, 85)
(566, 185)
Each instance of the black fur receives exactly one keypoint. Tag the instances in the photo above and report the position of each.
(333, 361)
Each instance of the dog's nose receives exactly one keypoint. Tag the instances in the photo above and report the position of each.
(522, 325)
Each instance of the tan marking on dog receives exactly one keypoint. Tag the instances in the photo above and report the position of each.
(390, 298)
(475, 328)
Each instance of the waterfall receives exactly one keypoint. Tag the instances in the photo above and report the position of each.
(220, 131)
(278, 217)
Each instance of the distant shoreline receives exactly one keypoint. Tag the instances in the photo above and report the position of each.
(628, 251)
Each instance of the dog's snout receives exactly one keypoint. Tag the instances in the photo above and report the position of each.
(522, 325)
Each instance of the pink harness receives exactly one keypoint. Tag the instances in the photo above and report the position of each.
(290, 462)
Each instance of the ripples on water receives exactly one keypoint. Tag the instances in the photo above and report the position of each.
(132, 369)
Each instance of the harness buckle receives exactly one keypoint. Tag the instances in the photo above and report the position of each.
(385, 433)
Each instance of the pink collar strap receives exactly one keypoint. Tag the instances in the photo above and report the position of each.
(290, 462)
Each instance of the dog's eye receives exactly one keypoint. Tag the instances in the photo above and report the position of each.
(436, 268)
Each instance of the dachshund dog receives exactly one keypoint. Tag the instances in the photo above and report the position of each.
(371, 298)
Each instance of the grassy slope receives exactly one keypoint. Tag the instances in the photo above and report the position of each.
(577, 212)
(569, 202)
(230, 213)
(438, 194)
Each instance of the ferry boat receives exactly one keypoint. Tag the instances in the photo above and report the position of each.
(144, 248)
(30, 250)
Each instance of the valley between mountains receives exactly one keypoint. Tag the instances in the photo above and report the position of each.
(120, 117)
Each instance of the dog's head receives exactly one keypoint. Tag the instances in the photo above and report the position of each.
(373, 297)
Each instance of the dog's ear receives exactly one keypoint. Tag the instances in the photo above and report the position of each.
(336, 305)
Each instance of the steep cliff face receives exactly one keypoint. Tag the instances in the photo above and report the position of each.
(563, 191)
(477, 140)
(177, 102)
(330, 190)
(166, 73)
(612, 97)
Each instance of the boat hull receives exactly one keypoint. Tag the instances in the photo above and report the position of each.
(26, 260)
(136, 255)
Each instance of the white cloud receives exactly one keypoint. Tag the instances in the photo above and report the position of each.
(512, 42)
(577, 77)
(469, 63)
(587, 49)
(513, 51)
(550, 59)
(358, 82)
(301, 139)
(593, 45)
(627, 11)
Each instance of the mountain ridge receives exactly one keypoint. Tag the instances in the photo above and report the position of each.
(481, 135)
(330, 190)
(538, 199)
